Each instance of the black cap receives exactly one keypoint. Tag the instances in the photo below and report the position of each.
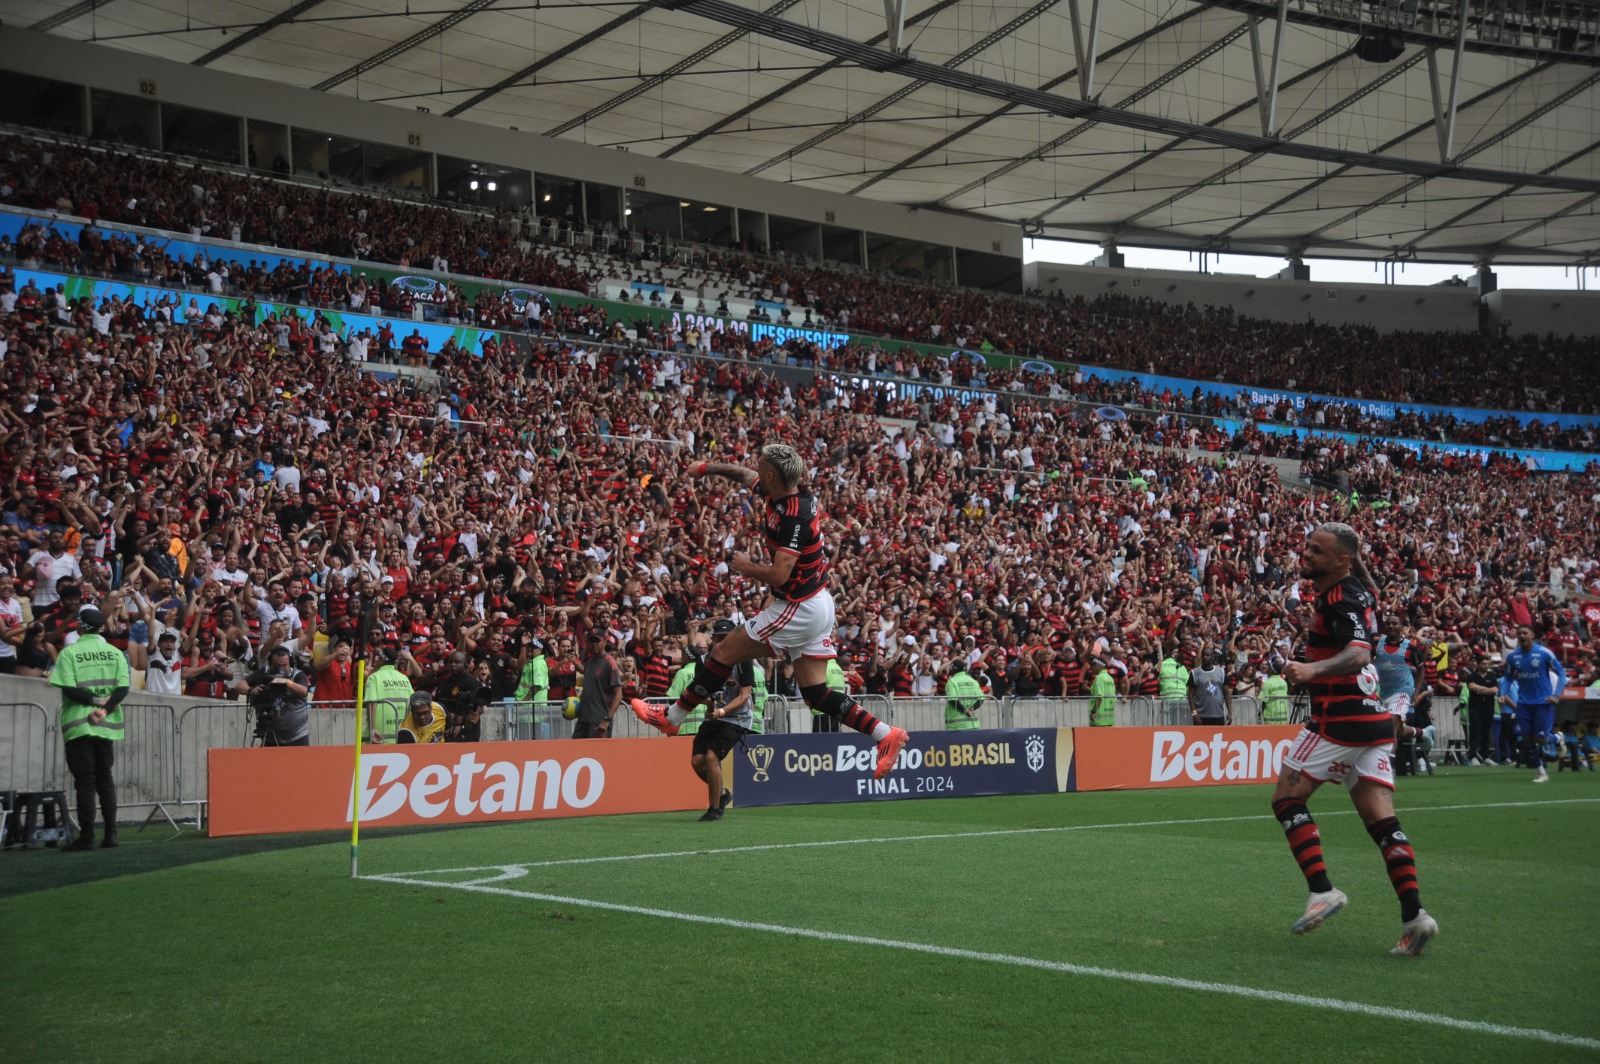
(537, 644)
(90, 619)
(722, 627)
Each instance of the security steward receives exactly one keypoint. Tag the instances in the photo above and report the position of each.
(1173, 689)
(93, 678)
(1275, 695)
(962, 697)
(1102, 696)
(730, 718)
(386, 693)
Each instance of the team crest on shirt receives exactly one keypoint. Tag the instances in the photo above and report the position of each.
(772, 520)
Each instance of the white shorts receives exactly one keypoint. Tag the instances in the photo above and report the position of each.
(1324, 761)
(1398, 704)
(797, 629)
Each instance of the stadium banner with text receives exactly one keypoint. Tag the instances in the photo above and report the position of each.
(1113, 759)
(1379, 409)
(807, 769)
(1544, 461)
(344, 322)
(265, 791)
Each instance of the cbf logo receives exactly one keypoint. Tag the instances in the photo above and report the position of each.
(760, 759)
(1035, 748)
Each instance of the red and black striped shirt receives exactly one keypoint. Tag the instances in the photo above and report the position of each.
(793, 526)
(1345, 708)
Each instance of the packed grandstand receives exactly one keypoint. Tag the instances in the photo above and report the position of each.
(195, 454)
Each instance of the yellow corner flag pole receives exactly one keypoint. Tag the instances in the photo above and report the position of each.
(355, 786)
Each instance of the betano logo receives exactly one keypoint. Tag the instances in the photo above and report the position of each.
(1215, 759)
(388, 785)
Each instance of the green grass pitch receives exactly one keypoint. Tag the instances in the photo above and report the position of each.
(1140, 926)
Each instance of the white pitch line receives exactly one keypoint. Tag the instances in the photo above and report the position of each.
(1063, 967)
(997, 833)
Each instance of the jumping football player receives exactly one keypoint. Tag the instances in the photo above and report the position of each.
(799, 621)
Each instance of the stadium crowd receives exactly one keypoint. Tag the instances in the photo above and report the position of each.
(220, 483)
(1529, 372)
(219, 489)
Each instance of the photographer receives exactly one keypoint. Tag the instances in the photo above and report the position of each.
(278, 699)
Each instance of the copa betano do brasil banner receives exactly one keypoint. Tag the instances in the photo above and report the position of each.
(800, 769)
(258, 791)
(807, 769)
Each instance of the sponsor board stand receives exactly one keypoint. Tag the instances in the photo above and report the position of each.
(257, 791)
(267, 790)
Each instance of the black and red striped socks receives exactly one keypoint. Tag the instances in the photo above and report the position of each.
(1305, 842)
(709, 677)
(1402, 864)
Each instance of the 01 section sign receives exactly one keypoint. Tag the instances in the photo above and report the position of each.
(803, 769)
(258, 791)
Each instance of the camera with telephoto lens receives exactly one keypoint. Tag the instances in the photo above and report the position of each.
(266, 704)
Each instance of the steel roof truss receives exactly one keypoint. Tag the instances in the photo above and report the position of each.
(1267, 84)
(1228, 171)
(1083, 127)
(978, 47)
(1085, 54)
(644, 85)
(1484, 145)
(399, 48)
(1000, 112)
(1444, 105)
(894, 17)
(260, 28)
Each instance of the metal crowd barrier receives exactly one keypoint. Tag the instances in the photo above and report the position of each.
(147, 759)
(1449, 735)
(1140, 711)
(201, 727)
(538, 720)
(29, 749)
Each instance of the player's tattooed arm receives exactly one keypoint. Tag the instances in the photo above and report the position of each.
(737, 473)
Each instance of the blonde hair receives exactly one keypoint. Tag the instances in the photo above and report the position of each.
(786, 460)
(1349, 541)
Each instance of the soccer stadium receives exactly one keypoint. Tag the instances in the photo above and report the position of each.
(814, 530)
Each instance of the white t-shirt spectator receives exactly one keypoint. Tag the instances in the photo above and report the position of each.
(164, 675)
(47, 572)
(10, 617)
(232, 577)
(288, 615)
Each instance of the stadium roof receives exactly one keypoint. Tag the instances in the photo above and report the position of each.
(1404, 128)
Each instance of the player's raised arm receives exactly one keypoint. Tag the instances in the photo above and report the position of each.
(737, 473)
